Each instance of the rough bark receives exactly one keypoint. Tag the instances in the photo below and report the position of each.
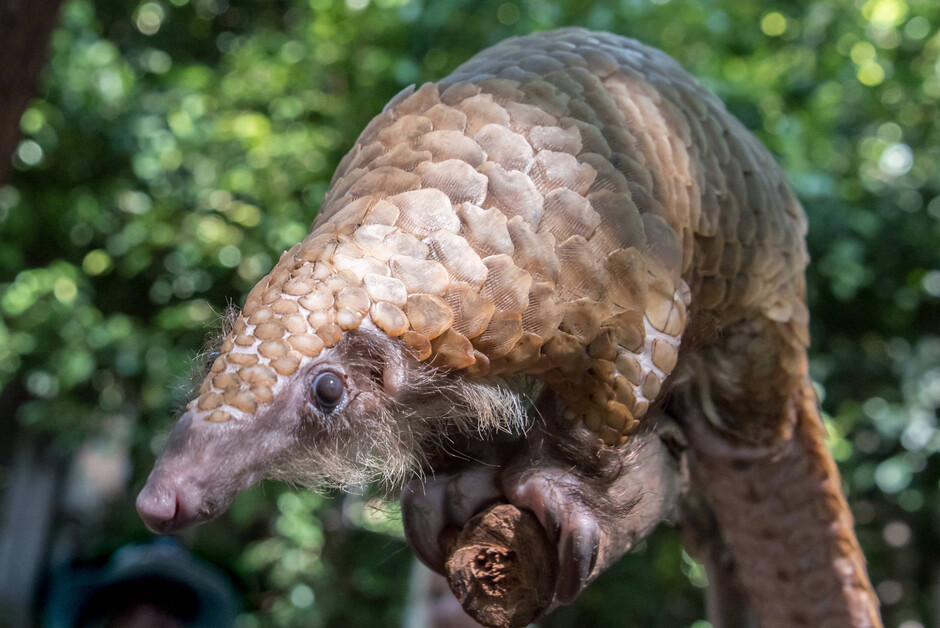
(503, 569)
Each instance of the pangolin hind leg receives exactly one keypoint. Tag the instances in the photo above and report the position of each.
(726, 603)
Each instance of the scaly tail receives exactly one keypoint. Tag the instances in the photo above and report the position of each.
(789, 527)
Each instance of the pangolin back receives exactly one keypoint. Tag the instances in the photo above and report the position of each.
(563, 205)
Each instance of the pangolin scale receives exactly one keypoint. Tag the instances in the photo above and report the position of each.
(574, 208)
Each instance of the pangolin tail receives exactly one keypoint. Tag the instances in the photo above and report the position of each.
(789, 527)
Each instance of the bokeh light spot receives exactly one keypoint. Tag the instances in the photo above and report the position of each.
(96, 262)
(773, 24)
(897, 534)
(507, 13)
(149, 18)
(64, 290)
(29, 152)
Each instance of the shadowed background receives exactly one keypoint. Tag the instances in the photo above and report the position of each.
(176, 147)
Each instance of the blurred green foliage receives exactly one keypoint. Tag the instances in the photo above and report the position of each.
(178, 146)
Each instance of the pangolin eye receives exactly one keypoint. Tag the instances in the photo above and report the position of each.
(328, 391)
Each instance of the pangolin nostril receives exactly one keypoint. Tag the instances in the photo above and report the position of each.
(158, 507)
(179, 507)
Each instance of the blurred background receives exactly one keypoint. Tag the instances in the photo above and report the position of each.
(175, 147)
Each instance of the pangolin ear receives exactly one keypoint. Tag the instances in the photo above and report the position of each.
(395, 373)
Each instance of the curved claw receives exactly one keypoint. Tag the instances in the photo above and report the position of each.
(423, 519)
(577, 555)
(430, 507)
(551, 495)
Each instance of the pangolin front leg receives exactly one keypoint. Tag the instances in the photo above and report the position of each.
(570, 211)
(591, 503)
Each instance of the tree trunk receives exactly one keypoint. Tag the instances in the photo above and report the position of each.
(25, 27)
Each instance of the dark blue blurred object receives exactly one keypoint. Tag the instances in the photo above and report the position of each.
(149, 585)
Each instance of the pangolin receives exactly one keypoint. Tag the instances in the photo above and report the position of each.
(535, 259)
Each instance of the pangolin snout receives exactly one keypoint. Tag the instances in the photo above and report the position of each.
(166, 507)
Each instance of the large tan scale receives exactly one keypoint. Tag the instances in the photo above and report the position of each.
(574, 207)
